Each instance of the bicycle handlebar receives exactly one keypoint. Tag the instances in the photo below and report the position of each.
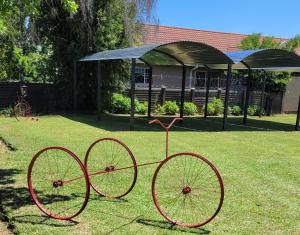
(162, 124)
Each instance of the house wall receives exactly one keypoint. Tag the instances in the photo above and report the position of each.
(291, 96)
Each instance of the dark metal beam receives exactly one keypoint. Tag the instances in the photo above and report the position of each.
(132, 94)
(182, 90)
(99, 88)
(298, 116)
(262, 94)
(228, 81)
(247, 96)
(149, 87)
(207, 91)
(150, 93)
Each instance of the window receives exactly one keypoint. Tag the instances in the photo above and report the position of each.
(142, 75)
(200, 79)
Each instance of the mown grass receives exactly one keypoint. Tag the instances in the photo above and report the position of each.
(259, 166)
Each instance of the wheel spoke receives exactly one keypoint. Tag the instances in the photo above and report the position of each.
(198, 184)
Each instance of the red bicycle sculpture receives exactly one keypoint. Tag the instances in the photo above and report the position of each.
(187, 189)
(22, 109)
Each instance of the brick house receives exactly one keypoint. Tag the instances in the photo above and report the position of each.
(170, 76)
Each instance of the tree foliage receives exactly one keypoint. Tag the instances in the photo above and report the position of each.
(40, 39)
(276, 81)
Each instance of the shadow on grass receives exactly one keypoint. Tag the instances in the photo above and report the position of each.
(12, 198)
(44, 220)
(168, 226)
(112, 122)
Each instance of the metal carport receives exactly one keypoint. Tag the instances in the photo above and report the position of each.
(184, 53)
(266, 60)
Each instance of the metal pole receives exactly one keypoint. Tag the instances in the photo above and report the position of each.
(263, 94)
(99, 86)
(150, 93)
(227, 95)
(132, 94)
(298, 116)
(182, 90)
(74, 86)
(207, 92)
(247, 96)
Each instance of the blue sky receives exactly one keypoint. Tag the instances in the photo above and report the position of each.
(279, 18)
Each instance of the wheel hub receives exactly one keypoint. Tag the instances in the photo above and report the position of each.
(57, 183)
(186, 190)
(109, 168)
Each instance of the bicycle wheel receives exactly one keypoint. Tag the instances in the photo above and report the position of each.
(22, 109)
(112, 167)
(58, 183)
(187, 190)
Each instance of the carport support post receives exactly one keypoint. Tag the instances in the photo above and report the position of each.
(298, 116)
(207, 92)
(150, 92)
(182, 90)
(247, 96)
(132, 94)
(262, 94)
(74, 86)
(228, 80)
(99, 86)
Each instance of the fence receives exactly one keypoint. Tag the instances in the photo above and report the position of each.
(272, 102)
(41, 97)
(45, 97)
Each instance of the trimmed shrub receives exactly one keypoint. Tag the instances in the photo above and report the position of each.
(210, 109)
(219, 106)
(189, 108)
(170, 108)
(236, 110)
(159, 109)
(214, 107)
(120, 104)
(254, 110)
(141, 108)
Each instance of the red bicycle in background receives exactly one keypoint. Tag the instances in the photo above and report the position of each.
(187, 189)
(22, 108)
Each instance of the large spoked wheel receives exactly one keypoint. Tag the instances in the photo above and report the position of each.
(58, 183)
(21, 110)
(187, 190)
(112, 167)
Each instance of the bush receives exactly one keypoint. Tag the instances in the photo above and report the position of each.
(254, 110)
(210, 109)
(236, 110)
(170, 108)
(159, 109)
(219, 106)
(7, 112)
(215, 107)
(120, 104)
(141, 108)
(189, 108)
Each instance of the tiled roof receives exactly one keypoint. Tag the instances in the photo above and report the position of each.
(225, 42)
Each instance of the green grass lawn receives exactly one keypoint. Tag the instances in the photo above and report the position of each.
(259, 165)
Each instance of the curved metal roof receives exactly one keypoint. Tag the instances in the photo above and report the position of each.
(182, 52)
(265, 58)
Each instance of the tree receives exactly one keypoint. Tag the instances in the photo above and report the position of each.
(276, 81)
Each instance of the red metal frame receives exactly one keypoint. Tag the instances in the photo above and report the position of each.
(56, 183)
(166, 127)
(185, 190)
(111, 170)
(28, 111)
